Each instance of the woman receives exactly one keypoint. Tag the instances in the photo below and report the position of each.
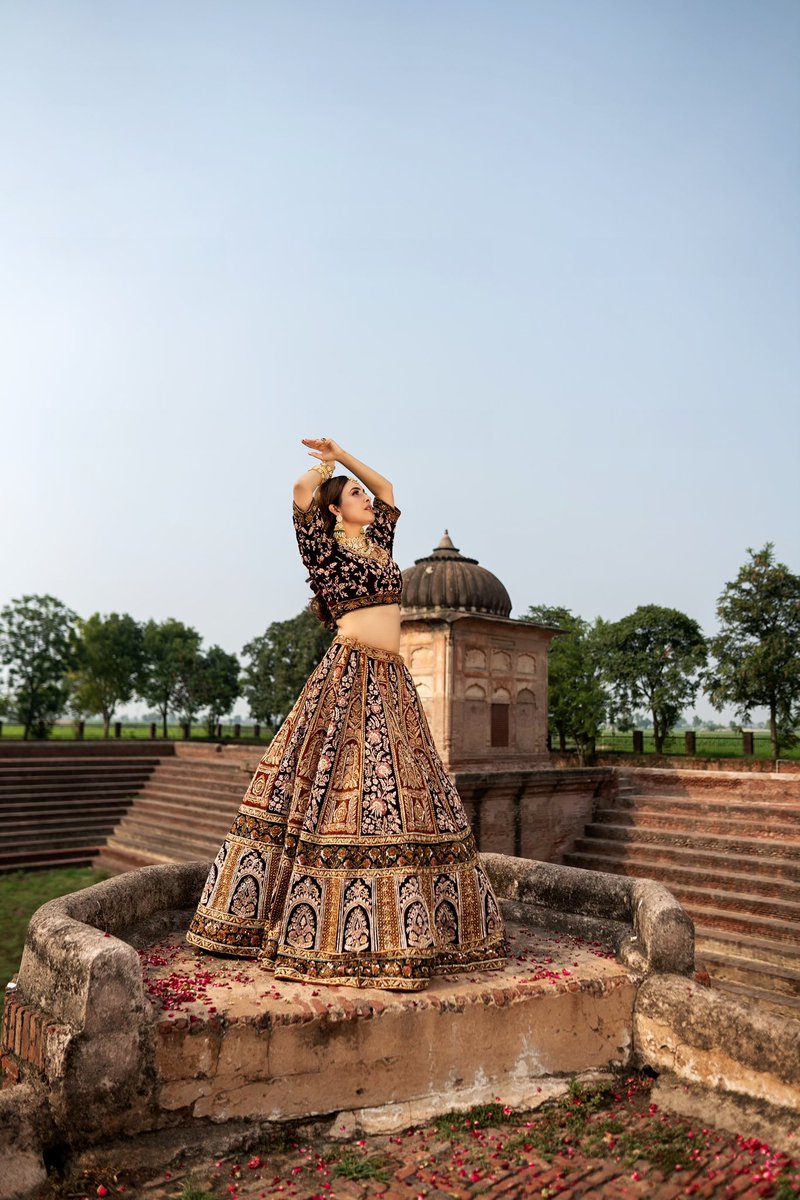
(351, 859)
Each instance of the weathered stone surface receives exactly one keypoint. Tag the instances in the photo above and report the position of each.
(663, 929)
(116, 1057)
(181, 1053)
(651, 931)
(391, 1118)
(739, 1114)
(255, 1048)
(24, 1126)
(701, 1035)
(76, 969)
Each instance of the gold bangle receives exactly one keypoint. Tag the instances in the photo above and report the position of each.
(325, 470)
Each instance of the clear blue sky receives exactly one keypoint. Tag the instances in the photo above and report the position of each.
(536, 262)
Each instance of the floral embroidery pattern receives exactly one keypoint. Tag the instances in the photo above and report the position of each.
(356, 931)
(350, 859)
(347, 580)
(244, 901)
(301, 927)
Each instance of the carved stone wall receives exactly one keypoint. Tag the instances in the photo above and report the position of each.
(483, 684)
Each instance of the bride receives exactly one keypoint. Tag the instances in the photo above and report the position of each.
(351, 859)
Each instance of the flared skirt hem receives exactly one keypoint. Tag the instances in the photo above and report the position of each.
(360, 971)
(351, 859)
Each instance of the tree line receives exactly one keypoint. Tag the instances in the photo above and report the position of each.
(658, 659)
(54, 662)
(655, 658)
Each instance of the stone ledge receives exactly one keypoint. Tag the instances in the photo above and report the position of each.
(739, 1114)
(702, 1036)
(76, 968)
(546, 778)
(250, 1046)
(121, 1064)
(650, 930)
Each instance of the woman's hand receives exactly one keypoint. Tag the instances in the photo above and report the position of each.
(325, 449)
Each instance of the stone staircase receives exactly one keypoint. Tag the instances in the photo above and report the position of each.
(58, 809)
(727, 845)
(182, 813)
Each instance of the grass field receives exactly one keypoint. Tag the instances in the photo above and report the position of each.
(21, 893)
(711, 744)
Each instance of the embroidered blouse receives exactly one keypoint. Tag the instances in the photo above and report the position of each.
(345, 579)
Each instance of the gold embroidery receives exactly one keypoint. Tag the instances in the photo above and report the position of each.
(373, 600)
(351, 859)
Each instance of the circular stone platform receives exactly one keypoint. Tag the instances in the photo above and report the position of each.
(233, 1042)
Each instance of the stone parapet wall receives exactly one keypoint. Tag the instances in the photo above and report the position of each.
(705, 1037)
(535, 814)
(625, 760)
(101, 748)
(641, 919)
(231, 754)
(97, 1060)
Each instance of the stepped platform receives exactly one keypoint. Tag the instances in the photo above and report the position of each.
(59, 803)
(727, 845)
(120, 1027)
(117, 1035)
(184, 809)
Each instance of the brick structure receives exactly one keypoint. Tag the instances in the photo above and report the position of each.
(481, 675)
(727, 845)
(60, 801)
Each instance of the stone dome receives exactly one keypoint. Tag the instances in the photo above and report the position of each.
(448, 579)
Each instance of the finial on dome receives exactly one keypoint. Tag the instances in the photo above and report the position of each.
(448, 579)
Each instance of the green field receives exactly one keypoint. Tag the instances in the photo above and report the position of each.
(21, 893)
(712, 744)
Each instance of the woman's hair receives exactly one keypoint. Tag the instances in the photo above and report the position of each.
(329, 492)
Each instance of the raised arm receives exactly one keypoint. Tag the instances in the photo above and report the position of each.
(326, 450)
(305, 487)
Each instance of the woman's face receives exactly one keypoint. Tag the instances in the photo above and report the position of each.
(355, 505)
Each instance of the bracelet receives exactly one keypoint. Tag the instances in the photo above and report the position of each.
(325, 470)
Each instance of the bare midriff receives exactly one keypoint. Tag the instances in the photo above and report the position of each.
(378, 625)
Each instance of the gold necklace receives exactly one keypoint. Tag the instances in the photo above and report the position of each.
(361, 544)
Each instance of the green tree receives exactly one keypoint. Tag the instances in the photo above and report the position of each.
(652, 657)
(757, 649)
(169, 665)
(38, 647)
(280, 662)
(219, 686)
(109, 664)
(576, 699)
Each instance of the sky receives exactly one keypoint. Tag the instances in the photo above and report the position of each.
(537, 263)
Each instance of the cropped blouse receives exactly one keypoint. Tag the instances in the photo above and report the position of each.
(345, 579)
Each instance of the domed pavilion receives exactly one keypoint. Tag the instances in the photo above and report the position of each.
(481, 674)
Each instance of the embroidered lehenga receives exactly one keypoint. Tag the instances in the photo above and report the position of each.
(351, 859)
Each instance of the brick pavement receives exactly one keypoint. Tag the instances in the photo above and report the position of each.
(609, 1142)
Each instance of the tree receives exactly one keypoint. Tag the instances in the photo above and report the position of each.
(576, 699)
(652, 657)
(280, 662)
(38, 647)
(757, 649)
(109, 663)
(219, 686)
(166, 679)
